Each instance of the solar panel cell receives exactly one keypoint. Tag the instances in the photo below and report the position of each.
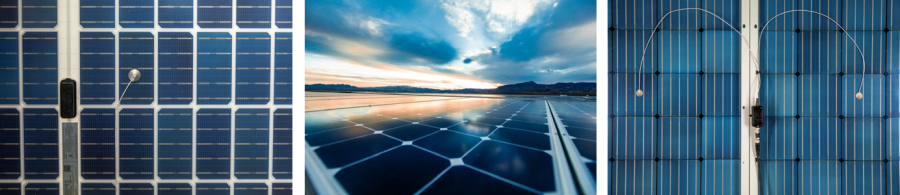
(283, 13)
(283, 66)
(10, 155)
(175, 188)
(251, 189)
(251, 139)
(176, 14)
(98, 63)
(98, 136)
(39, 64)
(281, 189)
(9, 67)
(98, 189)
(42, 188)
(254, 14)
(523, 138)
(490, 156)
(214, 68)
(136, 144)
(213, 188)
(282, 148)
(39, 14)
(721, 176)
(389, 172)
(136, 13)
(213, 144)
(344, 153)
(41, 143)
(679, 51)
(679, 176)
(9, 13)
(98, 13)
(176, 68)
(475, 182)
(214, 13)
(253, 68)
(136, 188)
(336, 135)
(136, 52)
(175, 143)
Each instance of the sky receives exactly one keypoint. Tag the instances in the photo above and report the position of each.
(450, 44)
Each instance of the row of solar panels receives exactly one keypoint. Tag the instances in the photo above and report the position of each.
(133, 152)
(140, 13)
(252, 55)
(148, 189)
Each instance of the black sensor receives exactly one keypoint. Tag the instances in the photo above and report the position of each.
(756, 116)
(67, 91)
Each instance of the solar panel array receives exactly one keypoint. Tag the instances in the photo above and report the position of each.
(210, 114)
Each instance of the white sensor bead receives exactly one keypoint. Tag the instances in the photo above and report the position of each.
(859, 95)
(639, 93)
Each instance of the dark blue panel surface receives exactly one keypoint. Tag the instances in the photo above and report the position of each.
(721, 51)
(9, 13)
(9, 68)
(864, 14)
(282, 188)
(819, 177)
(729, 10)
(136, 13)
(641, 173)
(679, 51)
(680, 20)
(872, 105)
(10, 155)
(384, 125)
(98, 64)
(720, 94)
(251, 189)
(863, 177)
(863, 138)
(778, 52)
(721, 177)
(410, 132)
(176, 64)
(389, 172)
(448, 144)
(213, 144)
(892, 90)
(98, 13)
(679, 176)
(213, 188)
(679, 95)
(779, 177)
(343, 153)
(831, 8)
(253, 68)
(175, 14)
(475, 182)
(284, 68)
(524, 138)
(251, 139)
(872, 44)
(41, 143)
(779, 95)
(214, 13)
(633, 138)
(820, 94)
(623, 102)
(679, 137)
(39, 14)
(98, 138)
(136, 144)
(778, 138)
(254, 13)
(39, 67)
(721, 137)
(136, 52)
(535, 127)
(625, 52)
(892, 62)
(820, 51)
(213, 68)
(283, 16)
(473, 129)
(175, 188)
(770, 8)
(336, 135)
(282, 144)
(136, 188)
(98, 189)
(820, 138)
(490, 156)
(640, 14)
(42, 189)
(175, 143)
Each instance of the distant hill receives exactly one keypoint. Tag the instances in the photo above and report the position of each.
(530, 87)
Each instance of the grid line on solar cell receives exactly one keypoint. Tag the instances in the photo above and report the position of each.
(251, 139)
(283, 68)
(175, 143)
(283, 14)
(98, 136)
(214, 68)
(176, 64)
(10, 148)
(39, 14)
(39, 64)
(253, 62)
(213, 144)
(136, 144)
(41, 143)
(9, 68)
(9, 13)
(175, 14)
(136, 13)
(97, 13)
(97, 68)
(214, 13)
(254, 13)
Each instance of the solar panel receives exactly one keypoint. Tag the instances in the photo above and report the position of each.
(136, 13)
(175, 188)
(214, 67)
(213, 144)
(9, 13)
(41, 143)
(283, 16)
(253, 62)
(176, 68)
(136, 52)
(98, 189)
(98, 13)
(214, 13)
(282, 144)
(212, 188)
(251, 189)
(39, 67)
(9, 144)
(98, 68)
(9, 68)
(254, 13)
(175, 143)
(98, 138)
(39, 14)
(283, 68)
(281, 189)
(136, 144)
(136, 188)
(175, 14)
(251, 139)
(42, 188)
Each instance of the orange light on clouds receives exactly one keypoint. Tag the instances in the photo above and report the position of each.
(329, 70)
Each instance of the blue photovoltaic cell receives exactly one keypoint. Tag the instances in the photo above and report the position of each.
(283, 17)
(213, 144)
(213, 68)
(624, 103)
(176, 64)
(175, 143)
(393, 167)
(10, 155)
(9, 68)
(213, 188)
(778, 52)
(136, 144)
(721, 177)
(782, 176)
(771, 8)
(679, 95)
(872, 44)
(174, 188)
(679, 51)
(779, 95)
(863, 139)
(251, 189)
(679, 176)
(9, 13)
(721, 137)
(251, 139)
(176, 14)
(680, 20)
(819, 177)
(136, 13)
(39, 14)
(98, 138)
(809, 21)
(864, 15)
(253, 68)
(633, 138)
(633, 177)
(136, 52)
(864, 177)
(254, 13)
(39, 67)
(98, 13)
(625, 53)
(873, 105)
(136, 188)
(42, 189)
(98, 64)
(637, 14)
(721, 51)
(283, 68)
(214, 13)
(282, 144)
(282, 188)
(98, 189)
(679, 138)
(820, 51)
(41, 143)
(820, 138)
(821, 94)
(778, 137)
(720, 94)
